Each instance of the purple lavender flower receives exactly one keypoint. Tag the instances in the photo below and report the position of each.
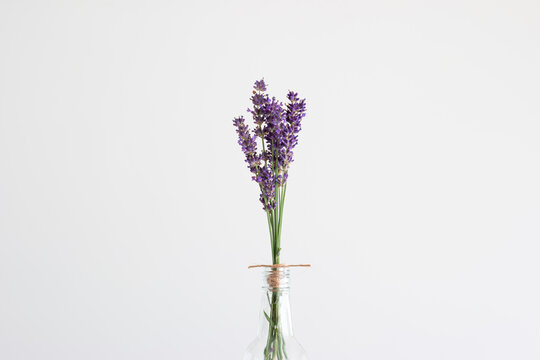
(248, 143)
(268, 188)
(260, 85)
(296, 110)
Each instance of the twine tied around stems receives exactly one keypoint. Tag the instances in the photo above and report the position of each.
(274, 278)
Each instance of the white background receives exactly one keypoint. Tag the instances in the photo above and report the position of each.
(127, 216)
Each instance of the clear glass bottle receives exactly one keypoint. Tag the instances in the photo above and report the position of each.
(275, 339)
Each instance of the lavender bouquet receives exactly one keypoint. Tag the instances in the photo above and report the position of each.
(277, 126)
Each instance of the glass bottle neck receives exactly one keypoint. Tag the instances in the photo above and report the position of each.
(275, 307)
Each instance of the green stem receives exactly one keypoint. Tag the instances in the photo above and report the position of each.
(281, 204)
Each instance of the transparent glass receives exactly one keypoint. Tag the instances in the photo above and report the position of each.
(275, 339)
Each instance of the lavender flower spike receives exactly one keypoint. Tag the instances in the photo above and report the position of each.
(248, 144)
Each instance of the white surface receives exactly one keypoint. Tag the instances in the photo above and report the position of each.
(127, 217)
